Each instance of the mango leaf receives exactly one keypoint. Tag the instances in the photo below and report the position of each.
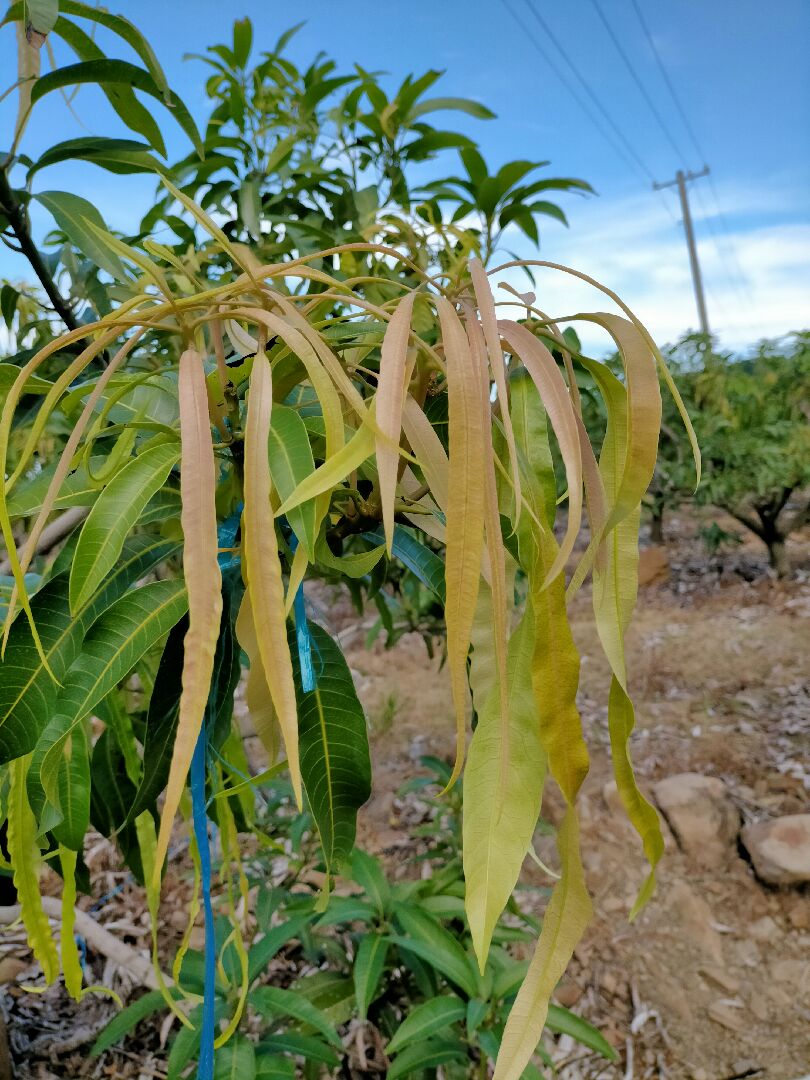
(272, 1001)
(263, 951)
(291, 462)
(333, 740)
(427, 1055)
(123, 1022)
(111, 649)
(564, 1022)
(499, 824)
(427, 1019)
(418, 558)
(274, 1066)
(27, 691)
(305, 1046)
(34, 384)
(354, 565)
(73, 790)
(71, 213)
(201, 571)
(77, 490)
(108, 73)
(236, 1060)
(436, 945)
(367, 872)
(114, 513)
(115, 155)
(367, 971)
(456, 104)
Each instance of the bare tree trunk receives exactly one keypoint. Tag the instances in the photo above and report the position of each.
(657, 524)
(778, 557)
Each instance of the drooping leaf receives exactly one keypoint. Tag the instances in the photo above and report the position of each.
(263, 579)
(499, 823)
(395, 372)
(427, 1055)
(26, 858)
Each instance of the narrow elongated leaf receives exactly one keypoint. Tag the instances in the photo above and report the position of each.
(465, 511)
(367, 872)
(111, 72)
(335, 763)
(71, 964)
(27, 690)
(367, 971)
(272, 1001)
(395, 372)
(73, 790)
(552, 389)
(291, 462)
(26, 858)
(264, 580)
(426, 1055)
(203, 583)
(71, 213)
(111, 649)
(436, 945)
(333, 471)
(455, 104)
(565, 1022)
(429, 451)
(236, 1060)
(115, 155)
(257, 693)
(305, 1046)
(113, 515)
(123, 1022)
(566, 917)
(427, 1019)
(499, 823)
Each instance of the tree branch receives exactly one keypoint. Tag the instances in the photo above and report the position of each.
(19, 226)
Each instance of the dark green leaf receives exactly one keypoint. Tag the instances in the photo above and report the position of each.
(436, 945)
(565, 1022)
(427, 1055)
(272, 1001)
(368, 968)
(333, 741)
(236, 1060)
(427, 1019)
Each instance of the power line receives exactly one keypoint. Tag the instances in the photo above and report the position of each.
(562, 76)
(668, 81)
(641, 87)
(591, 95)
(691, 132)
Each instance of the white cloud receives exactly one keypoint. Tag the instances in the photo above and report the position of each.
(633, 246)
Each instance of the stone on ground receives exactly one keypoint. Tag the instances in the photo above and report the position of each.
(701, 815)
(780, 849)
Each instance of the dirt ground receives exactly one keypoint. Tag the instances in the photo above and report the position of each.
(712, 982)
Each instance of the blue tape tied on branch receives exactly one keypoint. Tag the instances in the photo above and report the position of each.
(226, 539)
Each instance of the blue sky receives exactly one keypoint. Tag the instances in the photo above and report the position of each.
(739, 68)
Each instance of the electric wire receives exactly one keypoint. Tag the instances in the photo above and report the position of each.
(637, 80)
(591, 95)
(695, 142)
(563, 78)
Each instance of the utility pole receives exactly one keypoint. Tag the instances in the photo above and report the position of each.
(681, 180)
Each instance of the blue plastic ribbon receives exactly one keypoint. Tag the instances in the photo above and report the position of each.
(303, 637)
(226, 538)
(205, 1069)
